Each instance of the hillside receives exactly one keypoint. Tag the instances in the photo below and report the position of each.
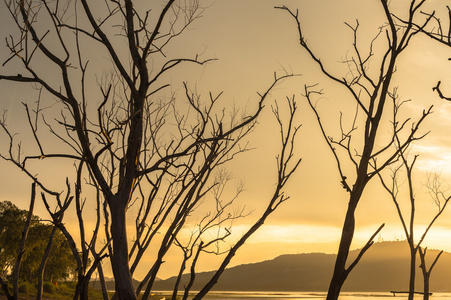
(384, 267)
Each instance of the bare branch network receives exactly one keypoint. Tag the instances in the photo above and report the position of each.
(132, 145)
(149, 164)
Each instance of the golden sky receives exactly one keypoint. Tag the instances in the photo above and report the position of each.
(251, 41)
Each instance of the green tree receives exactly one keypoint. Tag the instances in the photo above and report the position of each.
(11, 224)
(60, 262)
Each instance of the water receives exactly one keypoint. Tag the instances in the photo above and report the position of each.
(315, 296)
(305, 296)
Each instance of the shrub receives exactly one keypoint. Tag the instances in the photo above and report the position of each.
(49, 287)
(25, 287)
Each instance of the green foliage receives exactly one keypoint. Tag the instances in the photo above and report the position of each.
(26, 288)
(12, 221)
(60, 263)
(49, 288)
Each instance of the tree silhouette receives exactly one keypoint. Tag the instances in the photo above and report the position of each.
(406, 167)
(359, 158)
(131, 144)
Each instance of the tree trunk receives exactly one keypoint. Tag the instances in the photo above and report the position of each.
(153, 275)
(426, 287)
(426, 273)
(340, 272)
(102, 282)
(119, 260)
(81, 291)
(179, 278)
(84, 289)
(44, 259)
(413, 253)
(5, 289)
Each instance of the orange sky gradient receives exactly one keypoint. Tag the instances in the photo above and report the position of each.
(251, 40)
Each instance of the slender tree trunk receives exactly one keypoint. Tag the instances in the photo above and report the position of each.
(120, 263)
(102, 282)
(193, 272)
(43, 264)
(5, 289)
(16, 270)
(413, 253)
(179, 278)
(426, 287)
(426, 273)
(153, 276)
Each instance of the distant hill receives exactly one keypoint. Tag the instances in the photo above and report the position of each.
(383, 268)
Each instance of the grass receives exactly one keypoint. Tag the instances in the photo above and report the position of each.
(61, 291)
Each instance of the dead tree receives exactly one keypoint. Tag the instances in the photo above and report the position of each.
(427, 272)
(128, 140)
(438, 30)
(201, 240)
(287, 163)
(356, 149)
(393, 188)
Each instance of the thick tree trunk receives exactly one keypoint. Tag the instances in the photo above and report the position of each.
(82, 289)
(119, 260)
(340, 272)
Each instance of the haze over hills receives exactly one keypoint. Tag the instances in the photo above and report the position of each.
(385, 267)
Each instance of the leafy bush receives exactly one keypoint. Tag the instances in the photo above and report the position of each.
(25, 288)
(49, 288)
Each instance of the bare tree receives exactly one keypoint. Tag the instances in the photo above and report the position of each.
(211, 230)
(437, 192)
(132, 146)
(355, 149)
(438, 30)
(427, 272)
(393, 188)
(287, 164)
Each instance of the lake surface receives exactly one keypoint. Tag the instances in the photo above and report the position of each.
(315, 296)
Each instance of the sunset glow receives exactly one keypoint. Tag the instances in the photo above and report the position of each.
(246, 44)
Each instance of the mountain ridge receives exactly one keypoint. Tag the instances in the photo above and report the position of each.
(384, 267)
